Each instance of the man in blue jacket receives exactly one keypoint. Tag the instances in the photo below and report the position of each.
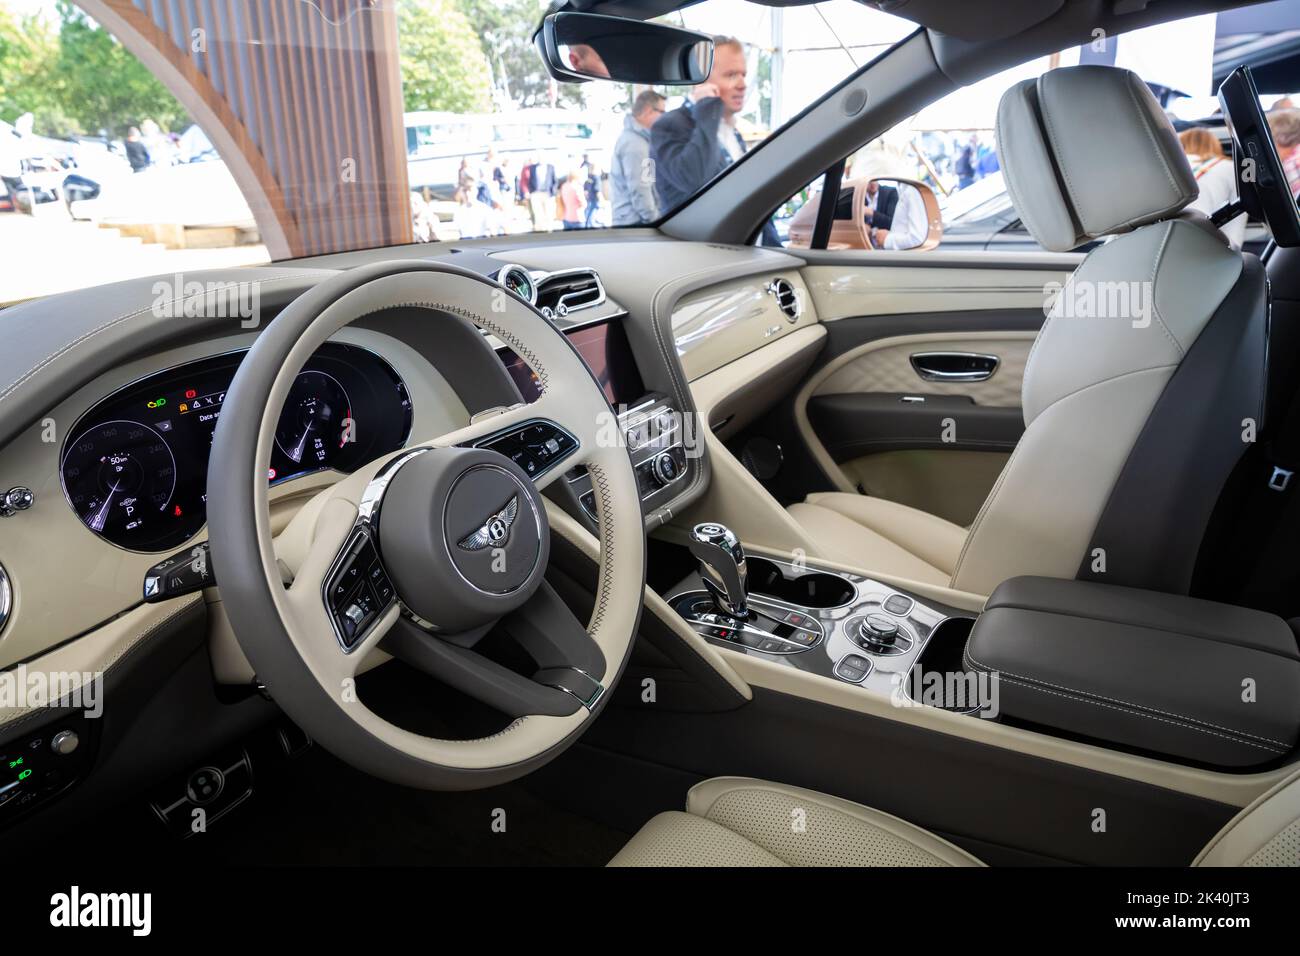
(699, 139)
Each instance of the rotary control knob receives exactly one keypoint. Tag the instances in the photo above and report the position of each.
(665, 468)
(878, 630)
(15, 500)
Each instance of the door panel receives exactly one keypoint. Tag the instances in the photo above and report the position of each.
(870, 401)
(885, 367)
(871, 422)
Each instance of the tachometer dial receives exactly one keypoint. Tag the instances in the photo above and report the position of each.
(316, 421)
(120, 477)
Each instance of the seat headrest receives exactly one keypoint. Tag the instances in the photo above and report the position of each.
(1087, 152)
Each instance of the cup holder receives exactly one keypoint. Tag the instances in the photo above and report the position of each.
(813, 589)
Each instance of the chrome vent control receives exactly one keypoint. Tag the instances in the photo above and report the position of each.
(787, 298)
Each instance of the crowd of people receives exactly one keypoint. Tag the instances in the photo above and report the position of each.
(661, 158)
(492, 195)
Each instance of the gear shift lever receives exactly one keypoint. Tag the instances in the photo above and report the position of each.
(722, 566)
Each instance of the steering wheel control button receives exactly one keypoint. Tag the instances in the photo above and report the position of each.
(898, 604)
(183, 573)
(463, 536)
(536, 447)
(357, 590)
(853, 668)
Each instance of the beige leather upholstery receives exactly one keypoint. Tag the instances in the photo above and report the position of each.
(1116, 333)
(738, 821)
(1266, 833)
(875, 533)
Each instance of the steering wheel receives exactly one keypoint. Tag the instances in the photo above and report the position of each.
(422, 552)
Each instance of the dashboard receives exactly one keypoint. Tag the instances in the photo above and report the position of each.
(135, 467)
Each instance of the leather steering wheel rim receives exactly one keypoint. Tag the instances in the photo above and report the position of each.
(287, 632)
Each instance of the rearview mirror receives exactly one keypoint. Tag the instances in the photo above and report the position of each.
(588, 46)
(880, 213)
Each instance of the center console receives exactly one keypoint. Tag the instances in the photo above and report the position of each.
(1160, 675)
(655, 435)
(843, 626)
(653, 427)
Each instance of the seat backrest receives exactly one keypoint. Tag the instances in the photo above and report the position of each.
(1266, 833)
(1116, 458)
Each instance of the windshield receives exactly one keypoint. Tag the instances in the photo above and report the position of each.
(228, 132)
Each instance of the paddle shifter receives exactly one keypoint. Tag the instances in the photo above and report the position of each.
(722, 566)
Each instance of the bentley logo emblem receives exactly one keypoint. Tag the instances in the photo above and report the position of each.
(495, 530)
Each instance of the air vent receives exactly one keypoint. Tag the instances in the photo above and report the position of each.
(787, 298)
(563, 293)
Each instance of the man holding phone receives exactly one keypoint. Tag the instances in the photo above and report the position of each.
(698, 140)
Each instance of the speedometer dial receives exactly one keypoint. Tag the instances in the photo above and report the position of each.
(316, 422)
(120, 478)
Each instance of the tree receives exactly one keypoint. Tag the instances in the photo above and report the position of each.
(442, 61)
(27, 50)
(102, 85)
(506, 28)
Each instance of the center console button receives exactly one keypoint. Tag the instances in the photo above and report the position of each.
(853, 668)
(898, 604)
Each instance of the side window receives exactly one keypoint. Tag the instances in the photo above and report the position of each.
(934, 180)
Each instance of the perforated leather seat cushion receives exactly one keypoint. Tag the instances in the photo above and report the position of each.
(735, 821)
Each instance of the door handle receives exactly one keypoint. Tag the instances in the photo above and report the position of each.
(955, 366)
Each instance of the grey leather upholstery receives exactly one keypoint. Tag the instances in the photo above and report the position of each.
(1160, 673)
(1063, 142)
(739, 821)
(1088, 153)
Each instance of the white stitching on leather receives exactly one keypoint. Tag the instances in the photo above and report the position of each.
(131, 644)
(105, 327)
(1075, 209)
(1155, 143)
(1004, 137)
(605, 523)
(671, 357)
(1140, 710)
(1155, 269)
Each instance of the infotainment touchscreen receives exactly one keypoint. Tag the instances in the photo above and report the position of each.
(604, 347)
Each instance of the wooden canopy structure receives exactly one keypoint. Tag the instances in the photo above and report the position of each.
(301, 98)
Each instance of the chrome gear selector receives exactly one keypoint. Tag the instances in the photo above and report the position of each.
(722, 566)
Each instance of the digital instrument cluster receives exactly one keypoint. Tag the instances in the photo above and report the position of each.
(135, 469)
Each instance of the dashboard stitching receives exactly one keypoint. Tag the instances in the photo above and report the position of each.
(520, 349)
(603, 511)
(682, 284)
(135, 642)
(12, 386)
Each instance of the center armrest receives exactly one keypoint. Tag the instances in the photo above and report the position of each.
(1159, 673)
